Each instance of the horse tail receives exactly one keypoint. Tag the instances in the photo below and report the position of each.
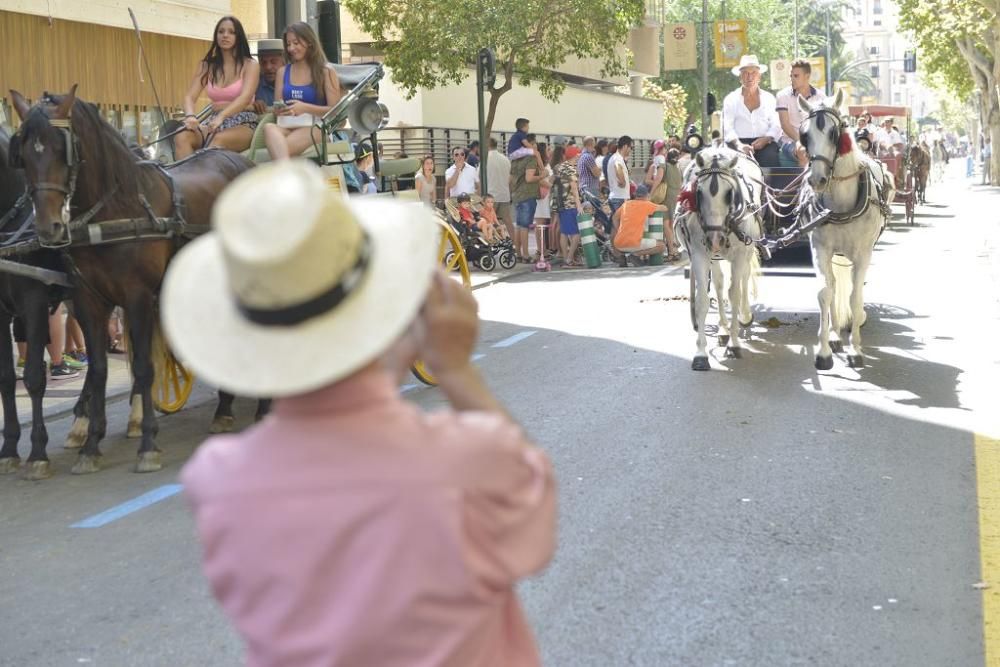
(843, 279)
(159, 349)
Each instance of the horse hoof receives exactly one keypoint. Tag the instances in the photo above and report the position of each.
(723, 340)
(9, 464)
(824, 363)
(836, 346)
(856, 361)
(78, 433)
(86, 464)
(700, 364)
(36, 471)
(148, 462)
(734, 352)
(747, 325)
(222, 425)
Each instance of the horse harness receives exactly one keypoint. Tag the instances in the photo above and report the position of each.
(738, 208)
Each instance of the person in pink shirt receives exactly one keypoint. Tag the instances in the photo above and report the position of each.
(350, 528)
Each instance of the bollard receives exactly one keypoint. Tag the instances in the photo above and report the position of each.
(654, 231)
(588, 241)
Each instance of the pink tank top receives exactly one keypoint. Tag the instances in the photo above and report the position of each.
(227, 94)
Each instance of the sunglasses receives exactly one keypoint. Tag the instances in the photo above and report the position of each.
(458, 154)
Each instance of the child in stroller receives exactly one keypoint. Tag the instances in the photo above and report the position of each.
(484, 240)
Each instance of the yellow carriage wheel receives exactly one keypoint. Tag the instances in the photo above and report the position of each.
(452, 257)
(172, 387)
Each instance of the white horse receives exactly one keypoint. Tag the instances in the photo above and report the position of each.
(723, 225)
(851, 192)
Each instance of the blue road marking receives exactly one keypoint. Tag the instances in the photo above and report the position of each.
(409, 387)
(477, 357)
(516, 338)
(130, 506)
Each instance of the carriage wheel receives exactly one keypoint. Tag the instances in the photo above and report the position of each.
(172, 388)
(452, 257)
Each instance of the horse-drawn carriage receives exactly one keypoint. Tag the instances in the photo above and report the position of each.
(900, 165)
(113, 218)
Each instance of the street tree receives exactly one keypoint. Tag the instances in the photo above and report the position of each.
(973, 28)
(428, 43)
(674, 99)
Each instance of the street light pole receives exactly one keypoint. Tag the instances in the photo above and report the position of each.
(704, 68)
(795, 37)
(829, 51)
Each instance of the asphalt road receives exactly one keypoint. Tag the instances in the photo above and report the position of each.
(760, 514)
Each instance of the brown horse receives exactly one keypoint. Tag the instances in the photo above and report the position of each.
(918, 159)
(79, 170)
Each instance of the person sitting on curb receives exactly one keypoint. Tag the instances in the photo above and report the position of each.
(350, 527)
(628, 225)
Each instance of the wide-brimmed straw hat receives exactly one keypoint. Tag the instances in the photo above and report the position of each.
(748, 61)
(295, 287)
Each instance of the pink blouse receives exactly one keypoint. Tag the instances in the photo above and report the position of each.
(351, 529)
(226, 93)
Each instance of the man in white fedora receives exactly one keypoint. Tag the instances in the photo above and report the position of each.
(749, 115)
(271, 55)
(348, 527)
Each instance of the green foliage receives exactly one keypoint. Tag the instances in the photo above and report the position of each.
(428, 43)
(674, 99)
(936, 26)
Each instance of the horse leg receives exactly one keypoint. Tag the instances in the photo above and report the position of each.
(36, 325)
(93, 314)
(700, 269)
(142, 320)
(223, 420)
(736, 286)
(81, 415)
(263, 408)
(135, 413)
(9, 459)
(823, 261)
(719, 282)
(855, 357)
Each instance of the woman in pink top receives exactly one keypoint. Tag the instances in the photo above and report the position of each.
(228, 75)
(349, 528)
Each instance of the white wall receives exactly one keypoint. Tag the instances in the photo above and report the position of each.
(186, 18)
(580, 111)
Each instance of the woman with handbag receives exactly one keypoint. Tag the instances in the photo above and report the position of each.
(308, 90)
(655, 173)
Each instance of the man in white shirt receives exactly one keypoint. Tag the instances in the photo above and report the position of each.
(791, 153)
(618, 180)
(498, 184)
(889, 140)
(461, 178)
(750, 117)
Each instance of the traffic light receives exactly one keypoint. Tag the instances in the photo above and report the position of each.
(488, 67)
(910, 62)
(711, 104)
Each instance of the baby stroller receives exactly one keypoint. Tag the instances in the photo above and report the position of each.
(602, 221)
(477, 250)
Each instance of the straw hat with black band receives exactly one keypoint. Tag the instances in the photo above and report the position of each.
(295, 288)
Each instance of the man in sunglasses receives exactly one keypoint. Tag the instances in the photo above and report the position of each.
(461, 178)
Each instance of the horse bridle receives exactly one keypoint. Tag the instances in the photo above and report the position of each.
(841, 125)
(737, 209)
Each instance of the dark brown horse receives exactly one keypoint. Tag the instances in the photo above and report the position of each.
(78, 170)
(30, 301)
(918, 160)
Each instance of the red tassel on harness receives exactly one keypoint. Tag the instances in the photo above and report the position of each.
(686, 198)
(845, 145)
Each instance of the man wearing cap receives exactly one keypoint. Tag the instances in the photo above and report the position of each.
(271, 54)
(349, 527)
(749, 115)
(791, 153)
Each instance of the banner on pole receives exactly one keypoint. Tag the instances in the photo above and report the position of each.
(730, 42)
(818, 76)
(781, 73)
(679, 46)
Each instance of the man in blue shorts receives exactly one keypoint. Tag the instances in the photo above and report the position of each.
(524, 193)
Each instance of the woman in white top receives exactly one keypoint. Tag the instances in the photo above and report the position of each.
(426, 181)
(542, 213)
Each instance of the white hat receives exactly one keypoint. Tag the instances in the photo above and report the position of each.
(295, 288)
(748, 61)
(270, 46)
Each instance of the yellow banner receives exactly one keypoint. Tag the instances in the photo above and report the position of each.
(818, 76)
(680, 46)
(781, 74)
(730, 42)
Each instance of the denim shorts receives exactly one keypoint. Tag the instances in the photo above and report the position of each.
(567, 222)
(524, 213)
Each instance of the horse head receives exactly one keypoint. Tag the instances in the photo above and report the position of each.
(718, 196)
(824, 135)
(45, 147)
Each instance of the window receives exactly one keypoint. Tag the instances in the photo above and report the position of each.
(875, 71)
(897, 98)
(877, 7)
(902, 79)
(873, 50)
(877, 22)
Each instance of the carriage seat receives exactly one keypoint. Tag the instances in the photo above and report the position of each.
(258, 150)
